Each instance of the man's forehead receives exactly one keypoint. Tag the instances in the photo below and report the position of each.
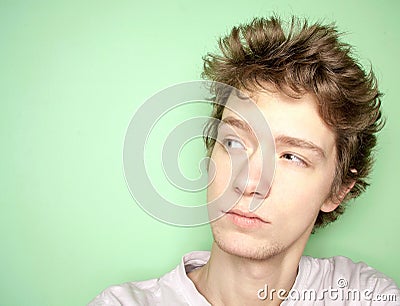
(243, 112)
(239, 100)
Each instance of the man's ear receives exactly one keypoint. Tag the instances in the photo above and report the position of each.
(331, 204)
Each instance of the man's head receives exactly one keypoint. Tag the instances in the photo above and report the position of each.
(298, 60)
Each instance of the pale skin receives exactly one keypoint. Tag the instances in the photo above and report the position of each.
(250, 252)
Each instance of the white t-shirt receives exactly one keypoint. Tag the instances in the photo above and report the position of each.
(331, 281)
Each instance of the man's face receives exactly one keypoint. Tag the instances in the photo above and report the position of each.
(304, 171)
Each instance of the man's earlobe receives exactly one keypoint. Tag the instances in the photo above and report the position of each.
(332, 204)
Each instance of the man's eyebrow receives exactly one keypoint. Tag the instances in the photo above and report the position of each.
(300, 143)
(238, 123)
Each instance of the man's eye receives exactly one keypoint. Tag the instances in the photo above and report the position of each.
(295, 159)
(230, 143)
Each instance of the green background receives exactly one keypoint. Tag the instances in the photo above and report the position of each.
(72, 74)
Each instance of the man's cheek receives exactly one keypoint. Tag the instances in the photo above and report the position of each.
(216, 189)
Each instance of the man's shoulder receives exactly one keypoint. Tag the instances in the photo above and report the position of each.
(343, 275)
(341, 266)
(136, 293)
(173, 287)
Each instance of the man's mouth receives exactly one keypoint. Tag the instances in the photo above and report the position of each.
(245, 219)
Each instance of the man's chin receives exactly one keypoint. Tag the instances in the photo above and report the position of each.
(251, 250)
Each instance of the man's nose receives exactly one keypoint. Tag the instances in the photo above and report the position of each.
(255, 176)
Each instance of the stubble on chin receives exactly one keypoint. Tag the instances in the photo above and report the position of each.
(246, 249)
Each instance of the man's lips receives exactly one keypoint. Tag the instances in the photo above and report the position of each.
(246, 214)
(245, 219)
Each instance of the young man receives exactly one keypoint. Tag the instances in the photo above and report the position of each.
(323, 112)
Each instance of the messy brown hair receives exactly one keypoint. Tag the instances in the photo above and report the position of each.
(298, 58)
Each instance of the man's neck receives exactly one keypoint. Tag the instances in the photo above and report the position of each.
(231, 280)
